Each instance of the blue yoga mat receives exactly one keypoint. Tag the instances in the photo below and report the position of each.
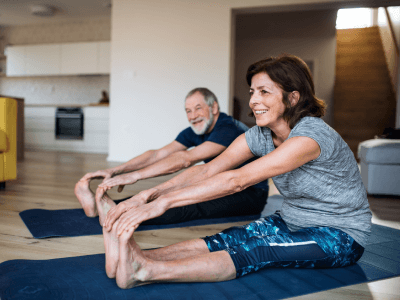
(84, 277)
(73, 222)
(44, 223)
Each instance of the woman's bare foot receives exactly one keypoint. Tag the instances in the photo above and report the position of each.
(132, 265)
(86, 197)
(103, 203)
(112, 250)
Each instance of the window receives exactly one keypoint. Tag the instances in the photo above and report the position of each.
(354, 18)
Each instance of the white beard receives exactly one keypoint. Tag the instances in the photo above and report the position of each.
(206, 126)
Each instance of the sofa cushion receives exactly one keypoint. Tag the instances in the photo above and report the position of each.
(3, 141)
(380, 151)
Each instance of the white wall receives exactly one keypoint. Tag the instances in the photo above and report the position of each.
(162, 49)
(394, 13)
(389, 46)
(271, 34)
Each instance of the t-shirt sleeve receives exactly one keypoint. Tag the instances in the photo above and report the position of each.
(185, 137)
(224, 135)
(319, 131)
(255, 141)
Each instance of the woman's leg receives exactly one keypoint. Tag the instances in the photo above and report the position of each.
(134, 268)
(270, 225)
(189, 260)
(321, 247)
(173, 252)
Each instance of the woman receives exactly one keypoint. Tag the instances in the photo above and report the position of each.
(325, 218)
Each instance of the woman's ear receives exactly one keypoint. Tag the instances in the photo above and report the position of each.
(294, 98)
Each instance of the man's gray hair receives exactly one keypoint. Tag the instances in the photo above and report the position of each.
(209, 96)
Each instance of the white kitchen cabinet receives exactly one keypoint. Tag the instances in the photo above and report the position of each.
(59, 59)
(79, 58)
(43, 60)
(103, 57)
(15, 61)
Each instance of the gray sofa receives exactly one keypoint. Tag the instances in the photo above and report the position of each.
(380, 166)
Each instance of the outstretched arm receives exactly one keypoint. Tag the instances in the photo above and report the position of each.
(290, 155)
(170, 164)
(142, 161)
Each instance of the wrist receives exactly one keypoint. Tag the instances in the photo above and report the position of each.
(164, 202)
(114, 171)
(136, 176)
(143, 196)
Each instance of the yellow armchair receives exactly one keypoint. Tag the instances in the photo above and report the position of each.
(8, 140)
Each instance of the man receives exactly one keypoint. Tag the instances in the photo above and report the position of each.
(210, 133)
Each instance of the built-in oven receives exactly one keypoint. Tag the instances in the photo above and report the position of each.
(69, 123)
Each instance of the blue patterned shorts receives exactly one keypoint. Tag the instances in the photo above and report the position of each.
(268, 243)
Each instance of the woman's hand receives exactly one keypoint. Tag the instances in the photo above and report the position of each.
(114, 213)
(134, 217)
(120, 180)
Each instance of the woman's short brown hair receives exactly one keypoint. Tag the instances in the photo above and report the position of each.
(291, 73)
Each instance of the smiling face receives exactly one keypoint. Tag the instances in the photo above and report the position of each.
(199, 114)
(266, 102)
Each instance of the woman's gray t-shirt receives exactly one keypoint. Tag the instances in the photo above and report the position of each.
(327, 191)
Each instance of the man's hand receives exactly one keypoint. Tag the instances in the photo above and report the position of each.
(134, 217)
(121, 181)
(106, 174)
(123, 207)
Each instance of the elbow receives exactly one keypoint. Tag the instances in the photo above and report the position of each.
(236, 184)
(184, 159)
(187, 163)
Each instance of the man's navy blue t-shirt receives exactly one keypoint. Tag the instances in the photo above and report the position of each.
(225, 131)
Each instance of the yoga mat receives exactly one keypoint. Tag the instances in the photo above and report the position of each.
(44, 223)
(84, 277)
(73, 222)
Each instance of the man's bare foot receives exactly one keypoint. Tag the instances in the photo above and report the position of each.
(86, 197)
(103, 203)
(112, 250)
(132, 265)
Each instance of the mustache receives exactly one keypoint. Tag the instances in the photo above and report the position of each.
(197, 120)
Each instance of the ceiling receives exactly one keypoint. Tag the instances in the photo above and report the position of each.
(18, 12)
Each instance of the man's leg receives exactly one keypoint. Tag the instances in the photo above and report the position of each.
(134, 268)
(103, 203)
(251, 201)
(86, 197)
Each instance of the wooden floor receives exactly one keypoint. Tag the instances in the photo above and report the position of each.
(46, 180)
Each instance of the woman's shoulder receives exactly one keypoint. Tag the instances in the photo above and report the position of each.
(312, 124)
(309, 122)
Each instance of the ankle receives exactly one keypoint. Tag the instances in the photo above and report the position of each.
(143, 272)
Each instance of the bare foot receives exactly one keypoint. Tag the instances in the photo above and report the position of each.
(104, 203)
(132, 268)
(86, 197)
(112, 250)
